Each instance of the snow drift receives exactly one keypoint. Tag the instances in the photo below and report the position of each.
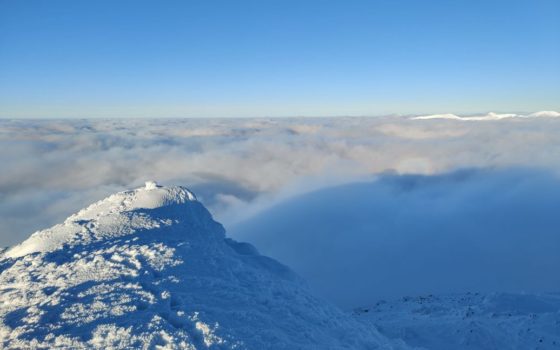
(150, 268)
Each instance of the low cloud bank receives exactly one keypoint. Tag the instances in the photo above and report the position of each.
(470, 230)
(238, 167)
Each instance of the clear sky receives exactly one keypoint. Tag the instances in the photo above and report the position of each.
(277, 57)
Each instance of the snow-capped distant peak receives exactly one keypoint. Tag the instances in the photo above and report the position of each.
(438, 116)
(489, 116)
(545, 114)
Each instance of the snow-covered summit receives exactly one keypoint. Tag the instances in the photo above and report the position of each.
(150, 269)
(108, 217)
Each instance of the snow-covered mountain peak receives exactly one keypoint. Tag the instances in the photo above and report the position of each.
(150, 269)
(120, 214)
(150, 196)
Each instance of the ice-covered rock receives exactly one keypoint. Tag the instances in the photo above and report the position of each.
(151, 269)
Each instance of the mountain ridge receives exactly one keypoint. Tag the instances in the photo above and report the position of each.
(150, 268)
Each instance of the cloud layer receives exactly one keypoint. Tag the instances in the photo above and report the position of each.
(469, 230)
(238, 167)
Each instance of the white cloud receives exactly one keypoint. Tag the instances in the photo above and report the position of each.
(239, 166)
(471, 230)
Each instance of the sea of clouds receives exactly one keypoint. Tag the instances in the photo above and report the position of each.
(245, 170)
(476, 230)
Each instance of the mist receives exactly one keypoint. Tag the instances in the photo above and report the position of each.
(477, 230)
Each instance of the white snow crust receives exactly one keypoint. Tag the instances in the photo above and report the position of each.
(151, 269)
(106, 218)
(470, 321)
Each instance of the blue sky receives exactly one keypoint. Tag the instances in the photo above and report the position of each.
(277, 58)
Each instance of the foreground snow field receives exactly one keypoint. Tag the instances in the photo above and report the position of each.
(470, 321)
(151, 269)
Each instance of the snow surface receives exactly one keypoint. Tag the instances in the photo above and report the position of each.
(489, 116)
(545, 114)
(151, 269)
(470, 321)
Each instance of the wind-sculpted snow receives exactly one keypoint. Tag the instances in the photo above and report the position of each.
(110, 218)
(150, 269)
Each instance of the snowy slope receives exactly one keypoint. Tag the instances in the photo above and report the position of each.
(150, 269)
(470, 321)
